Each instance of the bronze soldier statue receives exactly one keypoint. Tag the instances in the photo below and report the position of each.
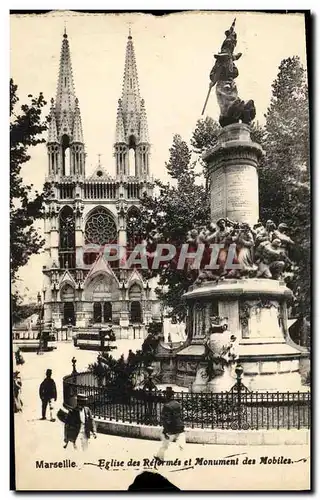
(223, 74)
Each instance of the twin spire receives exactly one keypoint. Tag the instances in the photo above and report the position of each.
(131, 126)
(131, 121)
(65, 113)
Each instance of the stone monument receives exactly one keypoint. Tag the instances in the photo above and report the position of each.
(252, 296)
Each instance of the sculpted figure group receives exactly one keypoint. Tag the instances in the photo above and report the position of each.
(261, 251)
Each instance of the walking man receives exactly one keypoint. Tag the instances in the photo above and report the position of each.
(79, 423)
(47, 393)
(173, 427)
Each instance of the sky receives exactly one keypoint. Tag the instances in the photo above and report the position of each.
(174, 56)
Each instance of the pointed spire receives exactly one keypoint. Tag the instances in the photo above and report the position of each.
(130, 89)
(52, 130)
(66, 121)
(120, 134)
(77, 135)
(144, 135)
(65, 100)
(131, 125)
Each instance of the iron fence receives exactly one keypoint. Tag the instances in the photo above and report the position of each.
(236, 409)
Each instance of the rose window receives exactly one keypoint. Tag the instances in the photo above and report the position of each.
(100, 228)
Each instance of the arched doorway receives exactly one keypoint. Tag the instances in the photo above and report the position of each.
(102, 312)
(69, 317)
(135, 312)
(97, 312)
(107, 312)
(102, 305)
(135, 296)
(67, 297)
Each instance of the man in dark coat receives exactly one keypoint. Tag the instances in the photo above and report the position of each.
(79, 423)
(47, 392)
(173, 427)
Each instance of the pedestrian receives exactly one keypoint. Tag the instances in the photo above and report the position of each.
(17, 384)
(173, 427)
(48, 393)
(79, 424)
(130, 357)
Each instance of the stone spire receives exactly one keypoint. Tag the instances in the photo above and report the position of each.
(131, 124)
(144, 135)
(77, 135)
(120, 135)
(130, 89)
(52, 130)
(65, 129)
(65, 100)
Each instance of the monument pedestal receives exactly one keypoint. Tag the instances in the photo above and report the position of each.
(255, 308)
(257, 315)
(232, 167)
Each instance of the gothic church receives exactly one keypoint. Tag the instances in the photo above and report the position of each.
(88, 291)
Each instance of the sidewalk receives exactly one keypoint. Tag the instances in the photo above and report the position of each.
(38, 440)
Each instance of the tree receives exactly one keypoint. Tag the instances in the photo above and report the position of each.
(283, 186)
(284, 172)
(26, 127)
(170, 215)
(20, 310)
(205, 134)
(204, 137)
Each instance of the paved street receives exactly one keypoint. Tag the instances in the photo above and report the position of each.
(38, 440)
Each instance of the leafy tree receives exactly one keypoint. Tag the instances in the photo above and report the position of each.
(119, 375)
(284, 172)
(283, 185)
(22, 311)
(26, 127)
(204, 136)
(169, 216)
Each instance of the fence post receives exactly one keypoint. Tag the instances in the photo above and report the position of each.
(74, 380)
(74, 369)
(239, 371)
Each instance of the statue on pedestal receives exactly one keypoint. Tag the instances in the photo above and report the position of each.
(223, 74)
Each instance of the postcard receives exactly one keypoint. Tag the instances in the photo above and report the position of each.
(160, 251)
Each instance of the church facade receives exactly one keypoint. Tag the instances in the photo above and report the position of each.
(82, 287)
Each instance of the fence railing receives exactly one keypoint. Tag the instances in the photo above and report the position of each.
(237, 409)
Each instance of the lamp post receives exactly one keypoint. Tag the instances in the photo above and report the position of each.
(40, 322)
